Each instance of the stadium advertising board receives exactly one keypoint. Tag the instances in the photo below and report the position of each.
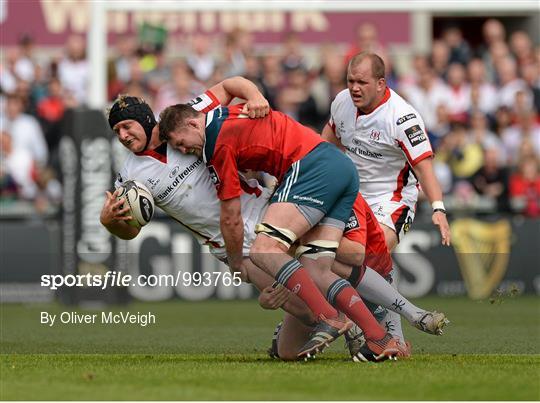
(86, 165)
(503, 263)
(50, 22)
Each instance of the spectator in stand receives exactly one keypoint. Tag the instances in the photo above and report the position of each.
(483, 94)
(73, 69)
(292, 57)
(522, 48)
(39, 87)
(253, 70)
(8, 76)
(494, 35)
(440, 57)
(498, 52)
(25, 65)
(201, 59)
(17, 170)
(531, 75)
(50, 112)
(464, 156)
(126, 47)
(525, 188)
(295, 100)
(25, 130)
(442, 128)
(503, 120)
(482, 135)
(160, 72)
(272, 78)
(237, 49)
(330, 81)
(367, 39)
(182, 88)
(509, 83)
(460, 51)
(138, 86)
(491, 180)
(427, 95)
(459, 101)
(525, 129)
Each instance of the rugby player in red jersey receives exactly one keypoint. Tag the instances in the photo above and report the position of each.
(317, 188)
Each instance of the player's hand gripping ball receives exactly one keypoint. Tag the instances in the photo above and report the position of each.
(140, 202)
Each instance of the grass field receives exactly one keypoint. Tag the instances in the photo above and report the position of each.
(216, 351)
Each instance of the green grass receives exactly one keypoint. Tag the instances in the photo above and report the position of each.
(215, 351)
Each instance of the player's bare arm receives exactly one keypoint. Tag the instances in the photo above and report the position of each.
(350, 252)
(113, 217)
(256, 104)
(329, 135)
(432, 189)
(232, 229)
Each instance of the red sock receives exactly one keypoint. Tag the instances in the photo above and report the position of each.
(302, 285)
(349, 302)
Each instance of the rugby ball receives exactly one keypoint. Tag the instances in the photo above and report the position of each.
(140, 202)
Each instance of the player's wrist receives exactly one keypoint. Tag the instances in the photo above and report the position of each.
(438, 205)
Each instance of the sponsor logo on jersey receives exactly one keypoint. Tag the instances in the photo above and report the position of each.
(153, 182)
(308, 199)
(415, 135)
(407, 225)
(174, 171)
(353, 223)
(354, 299)
(365, 153)
(375, 135)
(179, 178)
(214, 177)
(403, 119)
(340, 129)
(195, 101)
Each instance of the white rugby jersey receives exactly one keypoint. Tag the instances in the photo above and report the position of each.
(181, 186)
(383, 145)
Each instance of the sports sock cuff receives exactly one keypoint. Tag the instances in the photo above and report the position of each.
(356, 276)
(288, 269)
(335, 288)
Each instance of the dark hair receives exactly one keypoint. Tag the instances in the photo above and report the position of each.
(173, 118)
(377, 63)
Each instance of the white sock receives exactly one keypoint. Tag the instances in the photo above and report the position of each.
(376, 289)
(392, 323)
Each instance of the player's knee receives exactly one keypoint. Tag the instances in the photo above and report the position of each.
(264, 245)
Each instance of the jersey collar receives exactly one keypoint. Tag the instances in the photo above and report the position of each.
(385, 98)
(159, 153)
(214, 121)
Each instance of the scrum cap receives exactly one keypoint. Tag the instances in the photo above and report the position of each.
(126, 107)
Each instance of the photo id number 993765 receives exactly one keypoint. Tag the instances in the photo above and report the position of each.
(207, 279)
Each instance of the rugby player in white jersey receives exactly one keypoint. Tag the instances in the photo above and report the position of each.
(180, 184)
(386, 139)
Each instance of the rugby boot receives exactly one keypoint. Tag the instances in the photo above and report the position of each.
(325, 332)
(432, 323)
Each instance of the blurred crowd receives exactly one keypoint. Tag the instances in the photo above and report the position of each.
(481, 104)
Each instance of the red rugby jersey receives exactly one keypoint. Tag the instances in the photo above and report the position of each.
(236, 143)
